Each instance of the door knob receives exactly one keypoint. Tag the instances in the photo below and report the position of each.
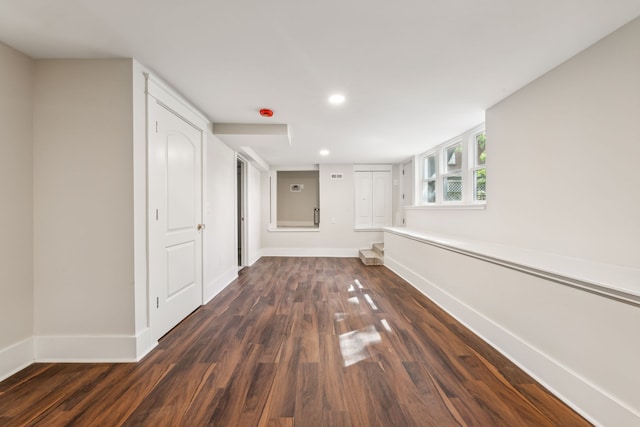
(201, 227)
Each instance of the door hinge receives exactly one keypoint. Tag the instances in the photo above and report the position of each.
(156, 214)
(402, 198)
(156, 126)
(402, 171)
(402, 221)
(157, 302)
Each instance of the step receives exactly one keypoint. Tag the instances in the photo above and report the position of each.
(369, 257)
(379, 248)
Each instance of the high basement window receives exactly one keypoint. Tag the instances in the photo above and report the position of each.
(455, 172)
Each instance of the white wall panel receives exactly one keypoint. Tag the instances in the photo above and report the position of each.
(83, 198)
(16, 214)
(220, 257)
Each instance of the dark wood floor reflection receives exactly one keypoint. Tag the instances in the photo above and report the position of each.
(297, 341)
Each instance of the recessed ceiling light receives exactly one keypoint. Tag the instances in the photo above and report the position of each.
(336, 98)
(324, 152)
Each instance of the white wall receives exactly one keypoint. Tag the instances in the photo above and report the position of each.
(144, 337)
(335, 236)
(562, 179)
(397, 194)
(220, 257)
(562, 159)
(253, 216)
(83, 202)
(16, 215)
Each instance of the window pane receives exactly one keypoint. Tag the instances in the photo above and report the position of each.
(480, 184)
(453, 159)
(452, 188)
(481, 146)
(431, 192)
(429, 167)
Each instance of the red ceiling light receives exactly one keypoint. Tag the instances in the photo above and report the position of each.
(265, 112)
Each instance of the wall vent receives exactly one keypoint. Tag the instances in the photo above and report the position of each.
(335, 175)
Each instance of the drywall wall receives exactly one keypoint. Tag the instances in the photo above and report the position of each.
(335, 236)
(220, 259)
(562, 156)
(561, 161)
(16, 215)
(83, 203)
(253, 216)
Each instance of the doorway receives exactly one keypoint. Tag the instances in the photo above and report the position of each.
(241, 193)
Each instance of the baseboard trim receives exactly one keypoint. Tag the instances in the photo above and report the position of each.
(215, 286)
(89, 349)
(597, 406)
(254, 258)
(311, 252)
(144, 343)
(15, 358)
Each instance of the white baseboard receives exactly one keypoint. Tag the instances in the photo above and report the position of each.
(594, 404)
(144, 343)
(84, 349)
(254, 258)
(67, 349)
(214, 287)
(311, 252)
(15, 358)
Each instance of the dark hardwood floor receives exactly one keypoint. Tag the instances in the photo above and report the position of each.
(297, 341)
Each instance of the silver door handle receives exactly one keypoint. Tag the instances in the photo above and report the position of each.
(201, 227)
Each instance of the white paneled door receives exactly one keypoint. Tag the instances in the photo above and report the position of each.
(363, 195)
(373, 199)
(381, 199)
(175, 229)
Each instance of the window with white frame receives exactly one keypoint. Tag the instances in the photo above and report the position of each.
(455, 173)
(479, 169)
(452, 172)
(430, 173)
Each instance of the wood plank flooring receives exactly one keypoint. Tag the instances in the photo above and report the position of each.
(297, 342)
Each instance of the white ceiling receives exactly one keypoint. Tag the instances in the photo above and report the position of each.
(415, 72)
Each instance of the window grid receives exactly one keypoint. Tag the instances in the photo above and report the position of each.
(479, 169)
(430, 174)
(453, 166)
(454, 173)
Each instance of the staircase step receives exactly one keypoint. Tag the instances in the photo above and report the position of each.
(369, 257)
(379, 248)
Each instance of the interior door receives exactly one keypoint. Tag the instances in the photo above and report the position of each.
(381, 200)
(175, 207)
(364, 214)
